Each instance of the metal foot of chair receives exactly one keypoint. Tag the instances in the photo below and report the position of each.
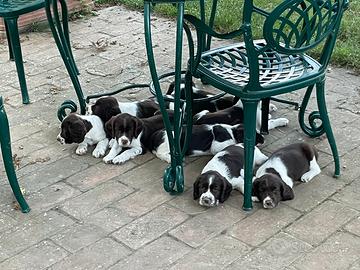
(8, 162)
(320, 94)
(12, 28)
(250, 107)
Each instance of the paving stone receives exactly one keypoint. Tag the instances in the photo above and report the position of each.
(157, 255)
(354, 226)
(109, 219)
(349, 195)
(309, 195)
(187, 204)
(321, 222)
(99, 255)
(37, 257)
(95, 199)
(217, 253)
(201, 228)
(146, 174)
(51, 174)
(50, 197)
(143, 200)
(350, 166)
(28, 233)
(338, 252)
(355, 266)
(277, 253)
(78, 236)
(264, 223)
(6, 221)
(97, 174)
(149, 227)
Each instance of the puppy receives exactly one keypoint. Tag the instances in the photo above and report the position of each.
(223, 173)
(211, 106)
(85, 130)
(235, 115)
(274, 179)
(205, 140)
(132, 133)
(106, 107)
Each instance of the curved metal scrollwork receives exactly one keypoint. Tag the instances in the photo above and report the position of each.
(314, 129)
(65, 106)
(299, 25)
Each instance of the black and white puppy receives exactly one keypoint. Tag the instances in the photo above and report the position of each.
(85, 130)
(235, 115)
(205, 140)
(274, 179)
(223, 173)
(131, 133)
(106, 107)
(211, 106)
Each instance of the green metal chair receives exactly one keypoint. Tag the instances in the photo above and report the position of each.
(259, 69)
(7, 158)
(10, 10)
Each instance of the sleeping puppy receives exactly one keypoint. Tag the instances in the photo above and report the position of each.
(235, 115)
(211, 106)
(274, 179)
(131, 133)
(205, 140)
(85, 130)
(106, 107)
(223, 173)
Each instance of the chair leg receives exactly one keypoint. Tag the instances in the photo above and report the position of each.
(250, 107)
(7, 157)
(16, 48)
(320, 94)
(11, 54)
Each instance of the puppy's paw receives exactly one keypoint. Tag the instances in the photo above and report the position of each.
(166, 157)
(272, 108)
(111, 143)
(107, 159)
(81, 150)
(98, 152)
(119, 160)
(254, 199)
(306, 177)
(282, 122)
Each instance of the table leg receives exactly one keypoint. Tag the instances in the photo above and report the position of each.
(173, 176)
(60, 33)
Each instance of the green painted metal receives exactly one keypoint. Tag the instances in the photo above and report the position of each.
(10, 11)
(58, 22)
(259, 69)
(7, 158)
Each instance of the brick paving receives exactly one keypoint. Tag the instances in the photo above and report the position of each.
(88, 215)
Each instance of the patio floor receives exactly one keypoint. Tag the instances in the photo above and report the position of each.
(89, 215)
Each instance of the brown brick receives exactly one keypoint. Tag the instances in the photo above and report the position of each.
(338, 252)
(321, 222)
(261, 225)
(201, 228)
(149, 227)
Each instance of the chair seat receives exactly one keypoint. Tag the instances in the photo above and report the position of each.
(229, 67)
(14, 8)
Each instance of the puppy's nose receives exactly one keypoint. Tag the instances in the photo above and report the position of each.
(124, 141)
(206, 201)
(268, 204)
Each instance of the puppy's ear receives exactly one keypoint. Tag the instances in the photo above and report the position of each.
(226, 190)
(87, 124)
(255, 188)
(286, 192)
(138, 127)
(196, 191)
(109, 128)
